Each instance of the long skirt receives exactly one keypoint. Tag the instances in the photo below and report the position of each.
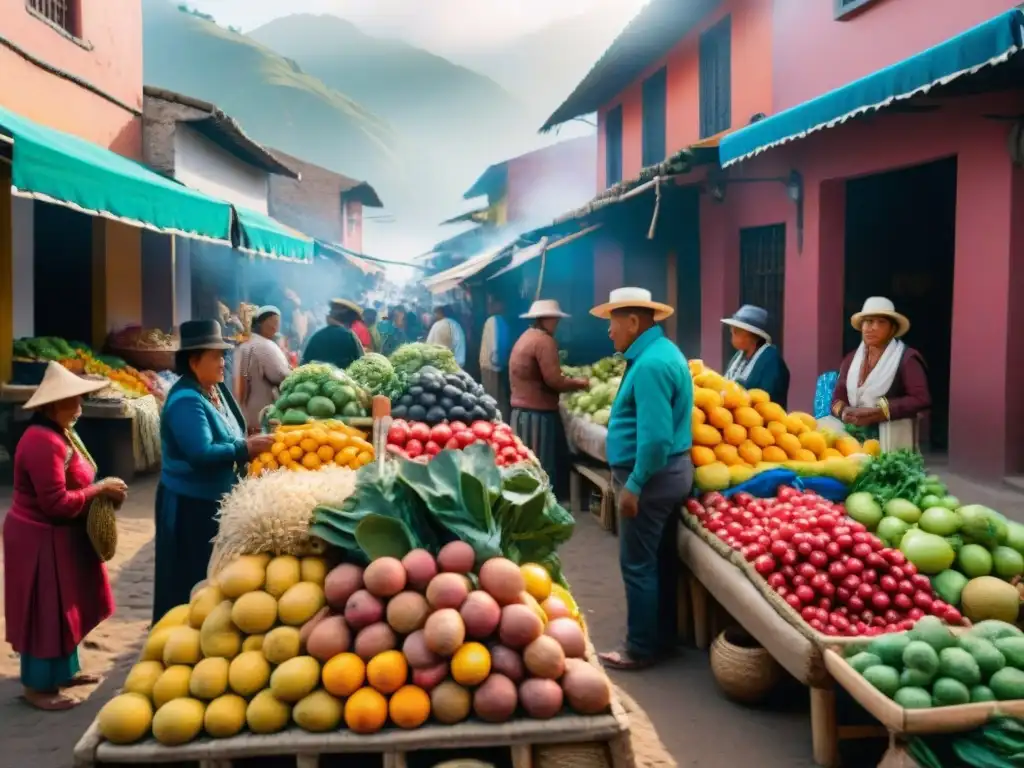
(543, 433)
(496, 384)
(185, 529)
(48, 675)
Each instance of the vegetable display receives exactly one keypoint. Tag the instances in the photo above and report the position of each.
(375, 374)
(307, 448)
(841, 578)
(410, 358)
(318, 391)
(996, 744)
(416, 440)
(460, 495)
(80, 359)
(595, 402)
(433, 396)
(283, 640)
(929, 666)
(973, 554)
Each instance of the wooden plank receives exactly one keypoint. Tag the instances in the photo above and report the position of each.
(85, 749)
(824, 734)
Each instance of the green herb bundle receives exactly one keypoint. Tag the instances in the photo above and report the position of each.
(895, 475)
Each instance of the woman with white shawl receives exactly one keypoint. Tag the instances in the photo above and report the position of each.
(882, 380)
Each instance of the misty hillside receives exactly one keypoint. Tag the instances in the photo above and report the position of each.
(406, 85)
(277, 103)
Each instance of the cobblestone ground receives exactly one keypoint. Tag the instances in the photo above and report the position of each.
(697, 726)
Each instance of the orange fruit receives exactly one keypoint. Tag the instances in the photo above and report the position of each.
(311, 461)
(773, 453)
(750, 453)
(325, 452)
(409, 707)
(337, 440)
(734, 434)
(308, 445)
(343, 674)
(872, 447)
(805, 455)
(538, 580)
(296, 452)
(266, 456)
(366, 711)
(277, 447)
(270, 465)
(291, 439)
(777, 428)
(698, 416)
(758, 396)
(720, 417)
(761, 437)
(702, 456)
(255, 467)
(319, 435)
(387, 671)
(346, 455)
(705, 434)
(471, 664)
(364, 457)
(727, 454)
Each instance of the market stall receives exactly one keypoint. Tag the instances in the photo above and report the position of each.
(358, 607)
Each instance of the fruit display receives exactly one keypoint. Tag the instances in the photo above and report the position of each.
(375, 374)
(595, 402)
(311, 447)
(840, 578)
(282, 642)
(433, 396)
(929, 666)
(973, 554)
(418, 441)
(318, 391)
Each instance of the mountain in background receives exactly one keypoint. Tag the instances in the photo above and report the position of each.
(275, 101)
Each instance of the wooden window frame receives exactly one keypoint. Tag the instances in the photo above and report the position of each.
(842, 11)
(654, 155)
(710, 125)
(610, 179)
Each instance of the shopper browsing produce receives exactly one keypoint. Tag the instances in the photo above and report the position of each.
(336, 344)
(883, 379)
(649, 439)
(56, 588)
(447, 332)
(262, 366)
(205, 449)
(757, 363)
(536, 382)
(495, 348)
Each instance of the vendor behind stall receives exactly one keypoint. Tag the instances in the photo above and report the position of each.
(882, 380)
(757, 363)
(336, 343)
(536, 379)
(56, 589)
(262, 366)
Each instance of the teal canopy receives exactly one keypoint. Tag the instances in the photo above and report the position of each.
(56, 167)
(985, 45)
(261, 235)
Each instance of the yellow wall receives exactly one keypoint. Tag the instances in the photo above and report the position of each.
(116, 277)
(6, 274)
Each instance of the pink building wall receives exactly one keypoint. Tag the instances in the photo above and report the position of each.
(545, 183)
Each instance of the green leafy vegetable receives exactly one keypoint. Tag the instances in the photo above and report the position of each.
(409, 358)
(380, 536)
(894, 475)
(373, 372)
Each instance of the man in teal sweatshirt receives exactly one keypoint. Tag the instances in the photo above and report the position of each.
(649, 439)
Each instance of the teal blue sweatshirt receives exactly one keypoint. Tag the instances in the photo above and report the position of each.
(651, 415)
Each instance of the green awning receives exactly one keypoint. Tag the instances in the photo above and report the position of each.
(988, 44)
(56, 167)
(262, 235)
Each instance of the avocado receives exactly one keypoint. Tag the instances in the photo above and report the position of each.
(399, 412)
(915, 678)
(295, 416)
(920, 656)
(948, 692)
(451, 392)
(885, 679)
(913, 698)
(958, 664)
(1007, 684)
(458, 413)
(320, 407)
(1012, 649)
(889, 648)
(427, 400)
(863, 660)
(980, 693)
(436, 415)
(931, 630)
(988, 657)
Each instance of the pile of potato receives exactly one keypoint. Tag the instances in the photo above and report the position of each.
(277, 641)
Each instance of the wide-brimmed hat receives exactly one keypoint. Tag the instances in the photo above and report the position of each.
(544, 308)
(340, 305)
(752, 319)
(201, 334)
(630, 298)
(879, 306)
(60, 384)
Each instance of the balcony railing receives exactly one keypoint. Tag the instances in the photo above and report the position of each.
(60, 13)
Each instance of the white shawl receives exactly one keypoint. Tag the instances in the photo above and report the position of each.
(739, 369)
(879, 381)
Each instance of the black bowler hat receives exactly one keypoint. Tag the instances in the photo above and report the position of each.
(201, 334)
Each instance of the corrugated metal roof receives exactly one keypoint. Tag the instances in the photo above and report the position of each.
(652, 33)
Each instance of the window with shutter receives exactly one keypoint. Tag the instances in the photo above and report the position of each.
(716, 79)
(613, 146)
(654, 96)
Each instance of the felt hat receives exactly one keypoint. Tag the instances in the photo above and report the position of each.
(879, 306)
(752, 319)
(60, 384)
(629, 298)
(544, 308)
(201, 334)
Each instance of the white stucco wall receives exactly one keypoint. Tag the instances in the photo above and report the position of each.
(23, 239)
(202, 165)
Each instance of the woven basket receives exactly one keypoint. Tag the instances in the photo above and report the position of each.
(743, 669)
(146, 359)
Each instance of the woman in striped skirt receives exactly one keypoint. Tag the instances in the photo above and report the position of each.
(536, 379)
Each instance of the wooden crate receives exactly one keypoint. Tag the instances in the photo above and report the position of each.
(581, 477)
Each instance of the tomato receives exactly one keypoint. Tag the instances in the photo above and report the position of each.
(414, 447)
(398, 433)
(453, 444)
(441, 433)
(482, 429)
(431, 448)
(509, 453)
(419, 431)
(501, 439)
(458, 426)
(465, 437)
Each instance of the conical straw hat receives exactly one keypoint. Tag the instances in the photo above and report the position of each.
(59, 384)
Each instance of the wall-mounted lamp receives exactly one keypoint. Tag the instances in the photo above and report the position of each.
(794, 182)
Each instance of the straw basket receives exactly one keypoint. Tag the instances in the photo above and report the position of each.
(743, 669)
(146, 359)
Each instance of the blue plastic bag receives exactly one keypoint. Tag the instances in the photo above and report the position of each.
(823, 393)
(767, 484)
(826, 487)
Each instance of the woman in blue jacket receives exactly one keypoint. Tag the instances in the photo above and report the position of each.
(205, 451)
(757, 364)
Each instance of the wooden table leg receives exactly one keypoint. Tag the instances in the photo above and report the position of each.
(699, 602)
(824, 733)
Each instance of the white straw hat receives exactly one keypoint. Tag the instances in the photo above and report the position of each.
(59, 384)
(544, 308)
(628, 298)
(879, 306)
